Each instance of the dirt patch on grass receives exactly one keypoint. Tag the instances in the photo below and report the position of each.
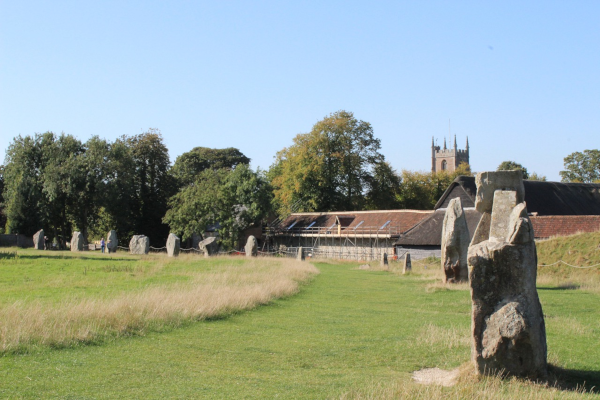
(436, 376)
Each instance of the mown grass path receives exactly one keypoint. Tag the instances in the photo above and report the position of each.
(348, 328)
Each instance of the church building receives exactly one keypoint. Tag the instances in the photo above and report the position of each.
(447, 159)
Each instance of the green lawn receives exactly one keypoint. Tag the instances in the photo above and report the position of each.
(349, 330)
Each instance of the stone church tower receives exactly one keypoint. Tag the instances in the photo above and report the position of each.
(447, 159)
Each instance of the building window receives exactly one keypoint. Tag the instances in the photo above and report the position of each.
(444, 165)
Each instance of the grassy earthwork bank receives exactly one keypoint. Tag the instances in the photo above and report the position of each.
(348, 333)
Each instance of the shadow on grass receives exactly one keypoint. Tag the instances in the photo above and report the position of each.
(575, 380)
(565, 286)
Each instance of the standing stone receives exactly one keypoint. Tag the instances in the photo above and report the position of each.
(173, 245)
(455, 243)
(112, 242)
(209, 246)
(509, 334)
(251, 247)
(300, 255)
(38, 240)
(407, 264)
(384, 260)
(139, 244)
(196, 239)
(77, 241)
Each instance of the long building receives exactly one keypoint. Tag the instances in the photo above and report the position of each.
(556, 209)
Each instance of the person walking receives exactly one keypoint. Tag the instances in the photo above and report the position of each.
(102, 244)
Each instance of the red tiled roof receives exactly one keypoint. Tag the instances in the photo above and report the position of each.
(354, 222)
(563, 225)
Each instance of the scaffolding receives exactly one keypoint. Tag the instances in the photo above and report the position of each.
(336, 242)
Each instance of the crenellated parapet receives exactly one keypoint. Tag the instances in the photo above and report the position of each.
(448, 159)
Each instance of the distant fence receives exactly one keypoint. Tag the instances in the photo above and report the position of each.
(16, 240)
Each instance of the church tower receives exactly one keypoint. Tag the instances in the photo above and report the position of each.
(447, 159)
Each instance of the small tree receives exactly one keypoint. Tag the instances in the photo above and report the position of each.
(422, 190)
(535, 177)
(513, 166)
(582, 167)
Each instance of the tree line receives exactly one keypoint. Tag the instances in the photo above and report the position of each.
(60, 184)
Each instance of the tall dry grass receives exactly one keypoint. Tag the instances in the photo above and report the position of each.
(210, 294)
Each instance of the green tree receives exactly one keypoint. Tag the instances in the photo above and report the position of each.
(422, 190)
(383, 188)
(235, 199)
(153, 184)
(513, 166)
(535, 177)
(197, 205)
(23, 197)
(2, 212)
(120, 198)
(63, 182)
(328, 168)
(247, 198)
(188, 165)
(582, 167)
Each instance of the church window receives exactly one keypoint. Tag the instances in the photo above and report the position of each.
(444, 165)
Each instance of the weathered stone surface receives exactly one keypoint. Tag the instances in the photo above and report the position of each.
(488, 182)
(112, 242)
(77, 241)
(455, 243)
(139, 244)
(173, 245)
(209, 246)
(407, 264)
(383, 262)
(251, 247)
(504, 202)
(509, 334)
(38, 240)
(300, 255)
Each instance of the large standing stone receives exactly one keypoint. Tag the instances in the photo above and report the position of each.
(139, 244)
(251, 247)
(455, 243)
(509, 334)
(407, 264)
(300, 255)
(77, 241)
(209, 246)
(112, 241)
(383, 262)
(173, 245)
(38, 240)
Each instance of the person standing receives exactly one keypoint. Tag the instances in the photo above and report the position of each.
(102, 244)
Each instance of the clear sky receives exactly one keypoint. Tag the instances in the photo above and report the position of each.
(520, 79)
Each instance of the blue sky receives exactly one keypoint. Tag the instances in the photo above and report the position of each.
(520, 79)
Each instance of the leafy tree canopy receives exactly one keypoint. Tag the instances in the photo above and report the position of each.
(582, 167)
(330, 168)
(60, 184)
(422, 190)
(513, 166)
(535, 177)
(236, 199)
(188, 165)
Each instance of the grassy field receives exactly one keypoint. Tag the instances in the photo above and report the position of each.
(581, 250)
(350, 333)
(62, 300)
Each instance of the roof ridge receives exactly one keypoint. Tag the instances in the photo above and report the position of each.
(342, 213)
